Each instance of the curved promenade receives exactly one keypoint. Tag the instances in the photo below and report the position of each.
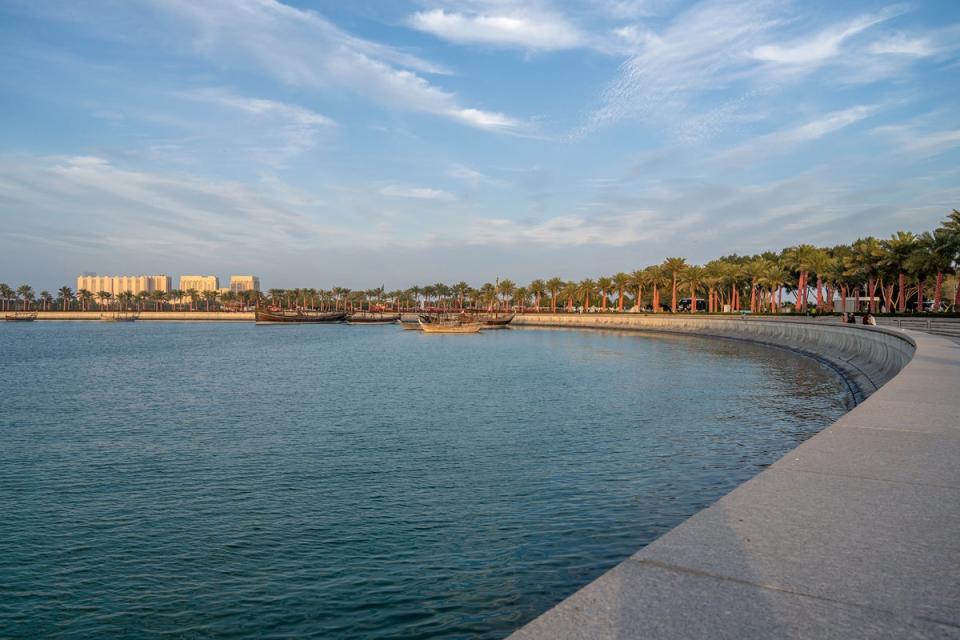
(853, 534)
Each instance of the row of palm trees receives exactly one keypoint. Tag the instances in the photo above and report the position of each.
(25, 298)
(902, 271)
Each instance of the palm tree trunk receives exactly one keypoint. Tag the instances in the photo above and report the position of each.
(920, 295)
(870, 288)
(902, 293)
(938, 292)
(673, 300)
(620, 300)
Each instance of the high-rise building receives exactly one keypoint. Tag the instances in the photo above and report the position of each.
(116, 285)
(244, 283)
(200, 283)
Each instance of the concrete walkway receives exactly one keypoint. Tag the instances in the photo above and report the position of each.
(854, 534)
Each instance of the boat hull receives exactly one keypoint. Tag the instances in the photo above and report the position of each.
(20, 317)
(362, 318)
(274, 317)
(443, 327)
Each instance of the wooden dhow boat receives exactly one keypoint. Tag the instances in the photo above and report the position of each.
(372, 317)
(287, 316)
(450, 327)
(494, 321)
(21, 316)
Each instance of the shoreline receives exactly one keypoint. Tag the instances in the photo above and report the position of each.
(841, 537)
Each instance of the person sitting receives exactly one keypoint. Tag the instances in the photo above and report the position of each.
(868, 319)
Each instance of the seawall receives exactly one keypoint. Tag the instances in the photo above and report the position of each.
(167, 316)
(853, 534)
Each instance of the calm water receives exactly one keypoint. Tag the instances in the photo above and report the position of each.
(210, 480)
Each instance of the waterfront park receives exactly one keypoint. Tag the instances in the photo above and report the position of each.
(479, 320)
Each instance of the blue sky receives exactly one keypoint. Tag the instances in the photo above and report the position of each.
(358, 143)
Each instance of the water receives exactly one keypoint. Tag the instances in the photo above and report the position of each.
(211, 480)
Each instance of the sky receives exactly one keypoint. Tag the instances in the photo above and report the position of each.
(330, 143)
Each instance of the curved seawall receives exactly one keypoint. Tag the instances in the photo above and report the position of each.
(853, 534)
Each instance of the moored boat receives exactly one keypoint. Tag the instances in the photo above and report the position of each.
(450, 327)
(494, 321)
(21, 316)
(372, 317)
(265, 316)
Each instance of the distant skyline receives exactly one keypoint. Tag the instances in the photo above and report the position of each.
(357, 144)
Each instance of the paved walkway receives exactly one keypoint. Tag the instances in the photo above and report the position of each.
(854, 534)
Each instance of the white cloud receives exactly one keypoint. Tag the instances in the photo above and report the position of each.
(524, 28)
(719, 47)
(418, 193)
(276, 131)
(785, 140)
(820, 47)
(472, 176)
(917, 140)
(903, 45)
(104, 205)
(301, 48)
(615, 229)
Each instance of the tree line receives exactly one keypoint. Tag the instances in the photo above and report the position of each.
(904, 271)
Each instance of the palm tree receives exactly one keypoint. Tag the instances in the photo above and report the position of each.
(66, 296)
(657, 277)
(585, 290)
(898, 249)
(821, 263)
(45, 299)
(506, 289)
(460, 290)
(801, 258)
(673, 266)
(554, 285)
(5, 294)
(864, 263)
(25, 292)
(177, 295)
(569, 293)
(85, 298)
(194, 295)
(521, 297)
(692, 277)
(604, 284)
(104, 296)
(775, 277)
(638, 279)
(538, 289)
(209, 296)
(621, 281)
(158, 299)
(942, 249)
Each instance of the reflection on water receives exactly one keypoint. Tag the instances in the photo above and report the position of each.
(356, 482)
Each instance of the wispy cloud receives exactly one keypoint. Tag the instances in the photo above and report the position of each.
(299, 47)
(719, 47)
(921, 138)
(785, 140)
(820, 47)
(278, 131)
(471, 176)
(419, 193)
(514, 26)
(176, 213)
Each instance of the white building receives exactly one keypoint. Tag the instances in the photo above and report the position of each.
(200, 283)
(116, 285)
(244, 283)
